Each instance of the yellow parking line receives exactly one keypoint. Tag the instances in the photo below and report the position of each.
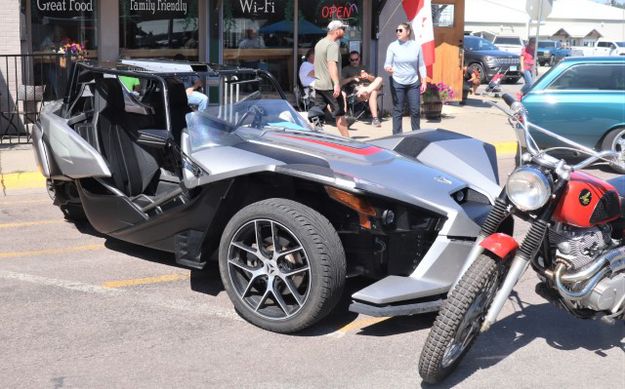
(4, 203)
(61, 250)
(34, 223)
(23, 180)
(145, 281)
(505, 148)
(361, 323)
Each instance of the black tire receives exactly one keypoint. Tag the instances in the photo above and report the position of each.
(476, 290)
(512, 80)
(479, 68)
(615, 141)
(257, 280)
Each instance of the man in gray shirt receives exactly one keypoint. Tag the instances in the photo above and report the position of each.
(327, 72)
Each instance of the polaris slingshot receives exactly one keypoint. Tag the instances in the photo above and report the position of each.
(289, 212)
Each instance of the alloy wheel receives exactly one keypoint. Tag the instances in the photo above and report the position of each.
(269, 269)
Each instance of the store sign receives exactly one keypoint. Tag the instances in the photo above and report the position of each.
(64, 6)
(342, 11)
(160, 6)
(258, 6)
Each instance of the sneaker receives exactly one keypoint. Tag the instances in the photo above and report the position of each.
(376, 122)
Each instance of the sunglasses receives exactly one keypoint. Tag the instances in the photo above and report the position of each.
(399, 30)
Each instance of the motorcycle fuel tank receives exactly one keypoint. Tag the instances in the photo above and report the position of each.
(587, 201)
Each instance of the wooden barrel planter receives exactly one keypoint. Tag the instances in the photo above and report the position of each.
(432, 109)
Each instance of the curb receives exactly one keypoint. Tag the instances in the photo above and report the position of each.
(34, 180)
(22, 180)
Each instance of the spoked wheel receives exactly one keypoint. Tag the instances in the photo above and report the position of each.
(615, 141)
(458, 323)
(282, 265)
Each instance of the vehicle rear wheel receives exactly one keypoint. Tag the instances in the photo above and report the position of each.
(282, 265)
(479, 68)
(615, 141)
(459, 320)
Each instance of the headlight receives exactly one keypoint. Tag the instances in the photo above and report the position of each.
(490, 60)
(528, 188)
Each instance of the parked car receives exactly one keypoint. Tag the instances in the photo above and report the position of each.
(510, 43)
(583, 99)
(287, 211)
(551, 52)
(482, 55)
(601, 47)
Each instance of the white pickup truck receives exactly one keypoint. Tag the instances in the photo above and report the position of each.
(601, 47)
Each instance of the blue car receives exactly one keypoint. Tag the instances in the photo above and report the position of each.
(583, 99)
(551, 52)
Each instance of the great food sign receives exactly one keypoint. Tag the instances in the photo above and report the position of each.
(65, 6)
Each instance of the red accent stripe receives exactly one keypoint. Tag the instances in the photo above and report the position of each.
(353, 150)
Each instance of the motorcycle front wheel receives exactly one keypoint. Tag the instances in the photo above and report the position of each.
(460, 318)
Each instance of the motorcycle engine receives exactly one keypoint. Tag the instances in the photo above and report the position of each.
(580, 245)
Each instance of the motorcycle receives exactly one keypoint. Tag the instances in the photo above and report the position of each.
(576, 244)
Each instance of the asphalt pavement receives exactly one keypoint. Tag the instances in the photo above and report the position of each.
(85, 311)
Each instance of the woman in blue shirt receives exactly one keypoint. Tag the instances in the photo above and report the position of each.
(404, 61)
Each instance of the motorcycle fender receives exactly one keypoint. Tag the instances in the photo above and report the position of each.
(500, 244)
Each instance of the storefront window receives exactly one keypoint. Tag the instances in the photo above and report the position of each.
(315, 16)
(55, 24)
(259, 34)
(164, 28)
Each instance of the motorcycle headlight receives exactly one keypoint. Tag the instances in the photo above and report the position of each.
(528, 188)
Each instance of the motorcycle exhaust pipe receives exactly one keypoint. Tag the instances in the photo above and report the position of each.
(585, 290)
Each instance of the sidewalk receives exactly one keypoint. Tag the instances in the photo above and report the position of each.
(476, 119)
(18, 169)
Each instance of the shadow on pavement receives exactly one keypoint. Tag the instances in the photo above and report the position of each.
(478, 103)
(559, 330)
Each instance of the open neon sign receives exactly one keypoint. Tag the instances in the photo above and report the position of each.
(339, 11)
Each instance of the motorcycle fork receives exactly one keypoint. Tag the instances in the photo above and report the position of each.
(495, 217)
(529, 248)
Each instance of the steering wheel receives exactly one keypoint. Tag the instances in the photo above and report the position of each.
(258, 113)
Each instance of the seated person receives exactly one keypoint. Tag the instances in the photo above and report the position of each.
(194, 97)
(356, 79)
(307, 70)
(307, 74)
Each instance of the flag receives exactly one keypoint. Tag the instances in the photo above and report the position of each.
(419, 13)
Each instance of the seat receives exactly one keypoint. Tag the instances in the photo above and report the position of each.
(132, 167)
(178, 107)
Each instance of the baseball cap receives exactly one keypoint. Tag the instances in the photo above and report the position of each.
(336, 24)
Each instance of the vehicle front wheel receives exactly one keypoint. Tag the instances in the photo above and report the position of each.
(480, 69)
(282, 265)
(459, 320)
(615, 141)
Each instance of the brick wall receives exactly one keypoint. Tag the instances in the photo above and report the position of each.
(10, 27)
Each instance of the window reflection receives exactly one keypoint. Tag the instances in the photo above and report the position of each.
(443, 15)
(259, 34)
(165, 28)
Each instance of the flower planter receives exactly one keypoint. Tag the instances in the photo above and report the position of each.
(432, 109)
